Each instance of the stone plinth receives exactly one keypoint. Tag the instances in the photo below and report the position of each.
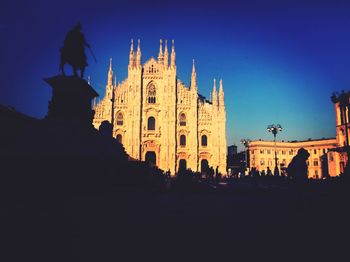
(71, 100)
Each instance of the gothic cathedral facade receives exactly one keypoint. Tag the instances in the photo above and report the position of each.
(158, 119)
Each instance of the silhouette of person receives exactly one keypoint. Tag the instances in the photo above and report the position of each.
(257, 172)
(168, 173)
(211, 174)
(253, 172)
(297, 168)
(73, 51)
(268, 172)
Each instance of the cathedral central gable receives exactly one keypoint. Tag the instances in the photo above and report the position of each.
(152, 69)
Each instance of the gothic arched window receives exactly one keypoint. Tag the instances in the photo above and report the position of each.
(182, 119)
(151, 94)
(120, 138)
(119, 119)
(151, 123)
(204, 140)
(182, 140)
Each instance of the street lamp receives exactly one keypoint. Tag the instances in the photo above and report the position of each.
(274, 129)
(245, 142)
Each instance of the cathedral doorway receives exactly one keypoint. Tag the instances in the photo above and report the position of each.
(151, 158)
(204, 166)
(182, 164)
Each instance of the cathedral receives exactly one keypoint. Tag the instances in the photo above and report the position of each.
(160, 120)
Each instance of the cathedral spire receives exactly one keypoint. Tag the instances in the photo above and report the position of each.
(173, 55)
(109, 86)
(110, 73)
(160, 54)
(221, 88)
(131, 54)
(110, 65)
(214, 86)
(221, 94)
(214, 95)
(166, 55)
(193, 77)
(138, 54)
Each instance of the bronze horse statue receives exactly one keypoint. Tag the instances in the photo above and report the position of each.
(73, 51)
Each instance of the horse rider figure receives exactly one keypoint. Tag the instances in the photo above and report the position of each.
(73, 51)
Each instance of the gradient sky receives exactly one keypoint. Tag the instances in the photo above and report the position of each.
(279, 60)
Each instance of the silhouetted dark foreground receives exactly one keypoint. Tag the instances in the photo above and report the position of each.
(48, 165)
(71, 195)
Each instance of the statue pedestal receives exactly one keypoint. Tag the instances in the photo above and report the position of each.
(71, 100)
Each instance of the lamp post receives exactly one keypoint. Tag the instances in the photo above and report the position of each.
(274, 129)
(245, 142)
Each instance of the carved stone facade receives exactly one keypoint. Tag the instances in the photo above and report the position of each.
(158, 119)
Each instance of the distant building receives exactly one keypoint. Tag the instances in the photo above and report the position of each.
(231, 150)
(235, 160)
(342, 118)
(160, 120)
(322, 161)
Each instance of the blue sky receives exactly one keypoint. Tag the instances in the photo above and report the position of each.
(279, 60)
